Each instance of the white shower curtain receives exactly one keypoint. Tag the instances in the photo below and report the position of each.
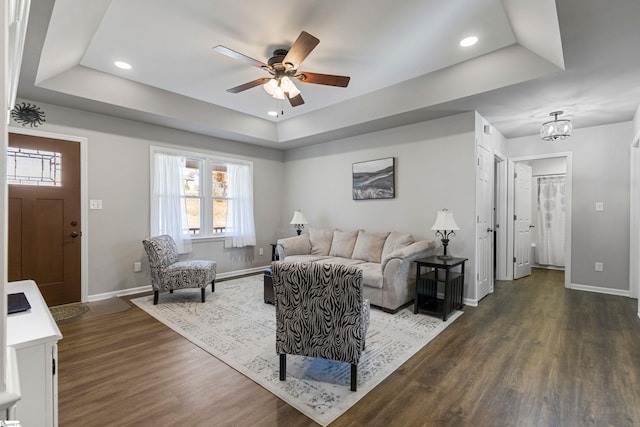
(551, 216)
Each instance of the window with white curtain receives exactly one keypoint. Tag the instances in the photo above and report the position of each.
(216, 198)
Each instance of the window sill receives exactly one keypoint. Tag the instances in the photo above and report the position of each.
(204, 239)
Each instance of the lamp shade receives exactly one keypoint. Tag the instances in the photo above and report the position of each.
(299, 218)
(445, 221)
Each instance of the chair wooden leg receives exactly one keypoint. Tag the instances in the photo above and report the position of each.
(213, 285)
(170, 291)
(156, 294)
(202, 290)
(283, 367)
(354, 376)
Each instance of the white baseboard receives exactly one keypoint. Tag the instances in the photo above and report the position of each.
(147, 288)
(470, 302)
(600, 290)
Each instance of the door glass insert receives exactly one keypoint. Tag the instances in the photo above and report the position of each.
(34, 167)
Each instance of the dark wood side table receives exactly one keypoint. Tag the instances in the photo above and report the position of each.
(427, 300)
(274, 252)
(268, 279)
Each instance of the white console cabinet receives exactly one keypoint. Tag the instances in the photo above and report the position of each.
(34, 335)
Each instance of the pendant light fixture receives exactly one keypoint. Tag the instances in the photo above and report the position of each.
(556, 129)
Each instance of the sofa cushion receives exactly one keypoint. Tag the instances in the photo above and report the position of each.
(338, 260)
(343, 243)
(395, 241)
(304, 258)
(320, 241)
(371, 274)
(369, 246)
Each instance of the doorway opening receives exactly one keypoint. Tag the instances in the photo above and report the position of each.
(540, 232)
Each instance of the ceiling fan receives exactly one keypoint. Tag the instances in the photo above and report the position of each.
(283, 67)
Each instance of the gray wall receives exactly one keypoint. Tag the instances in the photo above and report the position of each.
(435, 169)
(600, 173)
(118, 174)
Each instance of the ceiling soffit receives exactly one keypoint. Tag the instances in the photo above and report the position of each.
(536, 52)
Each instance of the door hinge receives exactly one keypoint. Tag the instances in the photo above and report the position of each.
(514, 259)
(478, 162)
(514, 217)
(53, 366)
(515, 175)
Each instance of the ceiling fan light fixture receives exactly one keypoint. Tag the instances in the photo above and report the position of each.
(287, 86)
(556, 129)
(271, 86)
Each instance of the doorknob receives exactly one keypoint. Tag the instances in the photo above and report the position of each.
(532, 226)
(75, 234)
(489, 230)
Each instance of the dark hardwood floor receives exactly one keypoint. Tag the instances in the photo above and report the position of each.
(531, 354)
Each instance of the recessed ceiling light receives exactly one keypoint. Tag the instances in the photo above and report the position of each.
(123, 65)
(468, 41)
(273, 113)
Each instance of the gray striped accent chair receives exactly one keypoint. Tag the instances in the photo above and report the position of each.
(168, 273)
(320, 312)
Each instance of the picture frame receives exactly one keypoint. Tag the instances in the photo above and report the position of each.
(374, 179)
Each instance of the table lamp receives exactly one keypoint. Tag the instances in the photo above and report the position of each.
(445, 227)
(298, 221)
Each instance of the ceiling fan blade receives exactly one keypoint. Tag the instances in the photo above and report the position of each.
(323, 79)
(237, 55)
(249, 85)
(303, 45)
(296, 100)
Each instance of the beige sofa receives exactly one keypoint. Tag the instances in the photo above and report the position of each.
(386, 259)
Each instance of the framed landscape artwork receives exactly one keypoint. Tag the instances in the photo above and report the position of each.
(374, 179)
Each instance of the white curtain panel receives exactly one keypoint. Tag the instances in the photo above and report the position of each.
(240, 209)
(168, 206)
(551, 220)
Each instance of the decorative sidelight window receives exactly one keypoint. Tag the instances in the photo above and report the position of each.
(34, 167)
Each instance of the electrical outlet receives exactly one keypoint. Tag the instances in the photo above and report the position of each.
(599, 266)
(137, 267)
(599, 206)
(95, 204)
(261, 251)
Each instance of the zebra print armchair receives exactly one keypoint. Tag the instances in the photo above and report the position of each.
(320, 312)
(167, 273)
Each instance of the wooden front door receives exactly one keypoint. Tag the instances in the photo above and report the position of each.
(44, 215)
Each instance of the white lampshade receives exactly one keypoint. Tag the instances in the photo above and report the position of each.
(299, 218)
(445, 221)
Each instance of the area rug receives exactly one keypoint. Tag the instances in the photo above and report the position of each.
(67, 312)
(237, 327)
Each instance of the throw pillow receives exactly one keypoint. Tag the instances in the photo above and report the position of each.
(320, 241)
(369, 246)
(395, 241)
(343, 243)
(298, 245)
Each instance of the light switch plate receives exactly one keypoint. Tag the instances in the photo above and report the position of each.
(599, 206)
(599, 266)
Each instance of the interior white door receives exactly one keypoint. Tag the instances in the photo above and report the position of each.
(522, 221)
(484, 224)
